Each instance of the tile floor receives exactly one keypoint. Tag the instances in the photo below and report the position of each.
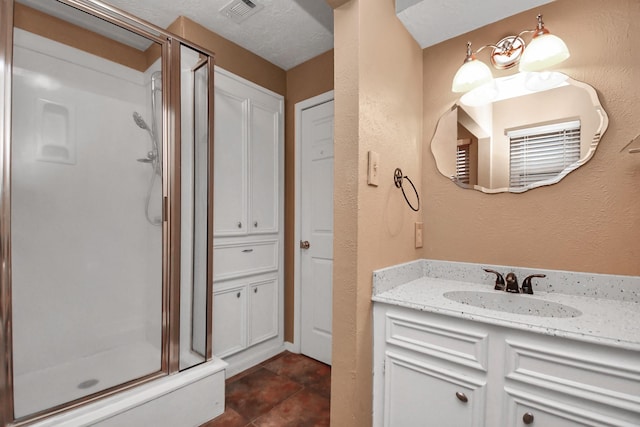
(288, 390)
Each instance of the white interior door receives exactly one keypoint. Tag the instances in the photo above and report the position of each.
(316, 228)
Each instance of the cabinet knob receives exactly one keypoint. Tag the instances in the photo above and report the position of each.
(239, 224)
(238, 295)
(527, 418)
(462, 397)
(255, 223)
(255, 290)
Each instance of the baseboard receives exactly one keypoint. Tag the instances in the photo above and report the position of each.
(293, 348)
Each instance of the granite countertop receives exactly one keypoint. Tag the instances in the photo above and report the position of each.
(607, 321)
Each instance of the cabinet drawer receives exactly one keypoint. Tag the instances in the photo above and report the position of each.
(460, 345)
(525, 408)
(578, 369)
(236, 260)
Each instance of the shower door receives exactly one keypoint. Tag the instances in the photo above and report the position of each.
(92, 292)
(86, 206)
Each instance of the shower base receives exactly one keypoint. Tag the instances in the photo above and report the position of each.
(35, 391)
(190, 397)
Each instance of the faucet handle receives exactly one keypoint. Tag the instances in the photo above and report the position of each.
(527, 287)
(499, 280)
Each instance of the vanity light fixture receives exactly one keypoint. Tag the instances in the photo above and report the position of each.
(544, 50)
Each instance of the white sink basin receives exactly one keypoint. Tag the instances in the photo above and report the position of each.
(513, 303)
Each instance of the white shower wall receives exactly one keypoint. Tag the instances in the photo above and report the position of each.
(86, 264)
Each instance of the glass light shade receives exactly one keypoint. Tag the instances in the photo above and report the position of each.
(471, 75)
(543, 52)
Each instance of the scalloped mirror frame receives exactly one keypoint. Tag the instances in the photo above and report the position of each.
(570, 100)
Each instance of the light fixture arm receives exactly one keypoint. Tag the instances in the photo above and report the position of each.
(540, 29)
(544, 50)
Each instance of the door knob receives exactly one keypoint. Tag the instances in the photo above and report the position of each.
(305, 244)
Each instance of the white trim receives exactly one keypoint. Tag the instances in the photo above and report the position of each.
(299, 107)
(249, 83)
(555, 127)
(290, 347)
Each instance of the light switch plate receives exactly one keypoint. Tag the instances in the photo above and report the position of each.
(374, 167)
(419, 227)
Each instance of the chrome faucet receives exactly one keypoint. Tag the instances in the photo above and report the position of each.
(509, 283)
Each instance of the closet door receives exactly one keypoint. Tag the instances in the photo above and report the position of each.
(229, 321)
(263, 153)
(230, 162)
(263, 310)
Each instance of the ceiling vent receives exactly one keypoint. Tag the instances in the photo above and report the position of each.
(239, 10)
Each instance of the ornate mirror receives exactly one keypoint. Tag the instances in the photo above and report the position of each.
(537, 128)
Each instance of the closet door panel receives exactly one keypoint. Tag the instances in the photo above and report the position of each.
(264, 137)
(230, 164)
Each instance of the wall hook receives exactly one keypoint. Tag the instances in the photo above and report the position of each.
(398, 177)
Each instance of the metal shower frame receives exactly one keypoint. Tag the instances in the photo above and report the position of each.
(171, 238)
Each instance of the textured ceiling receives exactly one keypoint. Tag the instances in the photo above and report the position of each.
(434, 21)
(289, 32)
(285, 32)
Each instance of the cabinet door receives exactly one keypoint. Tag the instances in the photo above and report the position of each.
(418, 394)
(263, 311)
(229, 321)
(230, 163)
(264, 139)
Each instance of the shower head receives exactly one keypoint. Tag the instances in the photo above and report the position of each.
(140, 121)
(143, 125)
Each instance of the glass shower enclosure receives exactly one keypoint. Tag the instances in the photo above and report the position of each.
(106, 205)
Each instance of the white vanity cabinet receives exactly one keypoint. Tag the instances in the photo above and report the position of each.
(550, 381)
(427, 372)
(510, 377)
(248, 224)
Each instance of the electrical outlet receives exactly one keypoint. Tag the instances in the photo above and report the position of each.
(374, 167)
(419, 227)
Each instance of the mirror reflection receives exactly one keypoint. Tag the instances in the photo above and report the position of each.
(537, 129)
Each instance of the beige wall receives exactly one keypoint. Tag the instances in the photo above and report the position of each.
(231, 56)
(378, 106)
(590, 221)
(304, 81)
